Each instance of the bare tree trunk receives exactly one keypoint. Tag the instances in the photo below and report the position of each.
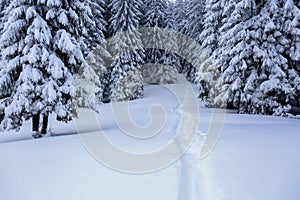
(45, 124)
(35, 123)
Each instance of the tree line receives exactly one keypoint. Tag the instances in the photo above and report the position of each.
(52, 51)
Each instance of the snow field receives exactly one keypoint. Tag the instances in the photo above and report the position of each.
(257, 157)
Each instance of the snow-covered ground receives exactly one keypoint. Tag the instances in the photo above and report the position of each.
(256, 158)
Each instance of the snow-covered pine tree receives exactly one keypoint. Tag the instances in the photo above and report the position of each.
(142, 12)
(90, 35)
(98, 57)
(107, 17)
(181, 19)
(89, 89)
(272, 89)
(221, 53)
(99, 9)
(70, 43)
(290, 22)
(3, 5)
(92, 82)
(162, 64)
(192, 28)
(208, 73)
(236, 54)
(251, 54)
(41, 53)
(92, 19)
(206, 78)
(126, 49)
(172, 60)
(11, 45)
(87, 30)
(291, 27)
(211, 24)
(180, 14)
(156, 19)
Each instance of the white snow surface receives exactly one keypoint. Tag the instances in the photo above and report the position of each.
(256, 158)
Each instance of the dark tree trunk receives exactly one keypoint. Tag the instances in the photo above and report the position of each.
(35, 123)
(45, 124)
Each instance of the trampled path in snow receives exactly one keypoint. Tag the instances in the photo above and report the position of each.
(256, 157)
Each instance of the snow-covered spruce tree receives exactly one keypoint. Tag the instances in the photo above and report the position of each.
(42, 55)
(192, 28)
(180, 18)
(250, 52)
(208, 73)
(291, 28)
(221, 53)
(206, 78)
(107, 17)
(99, 9)
(71, 21)
(236, 57)
(211, 25)
(90, 35)
(92, 83)
(156, 18)
(271, 87)
(172, 60)
(180, 14)
(92, 17)
(11, 45)
(126, 49)
(3, 6)
(98, 57)
(162, 64)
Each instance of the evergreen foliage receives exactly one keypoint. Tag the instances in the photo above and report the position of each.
(126, 50)
(42, 51)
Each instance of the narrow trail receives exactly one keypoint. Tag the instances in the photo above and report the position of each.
(194, 175)
(188, 178)
(188, 172)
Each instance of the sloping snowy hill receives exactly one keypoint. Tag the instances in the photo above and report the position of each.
(256, 157)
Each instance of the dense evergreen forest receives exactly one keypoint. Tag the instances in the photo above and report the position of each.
(52, 51)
